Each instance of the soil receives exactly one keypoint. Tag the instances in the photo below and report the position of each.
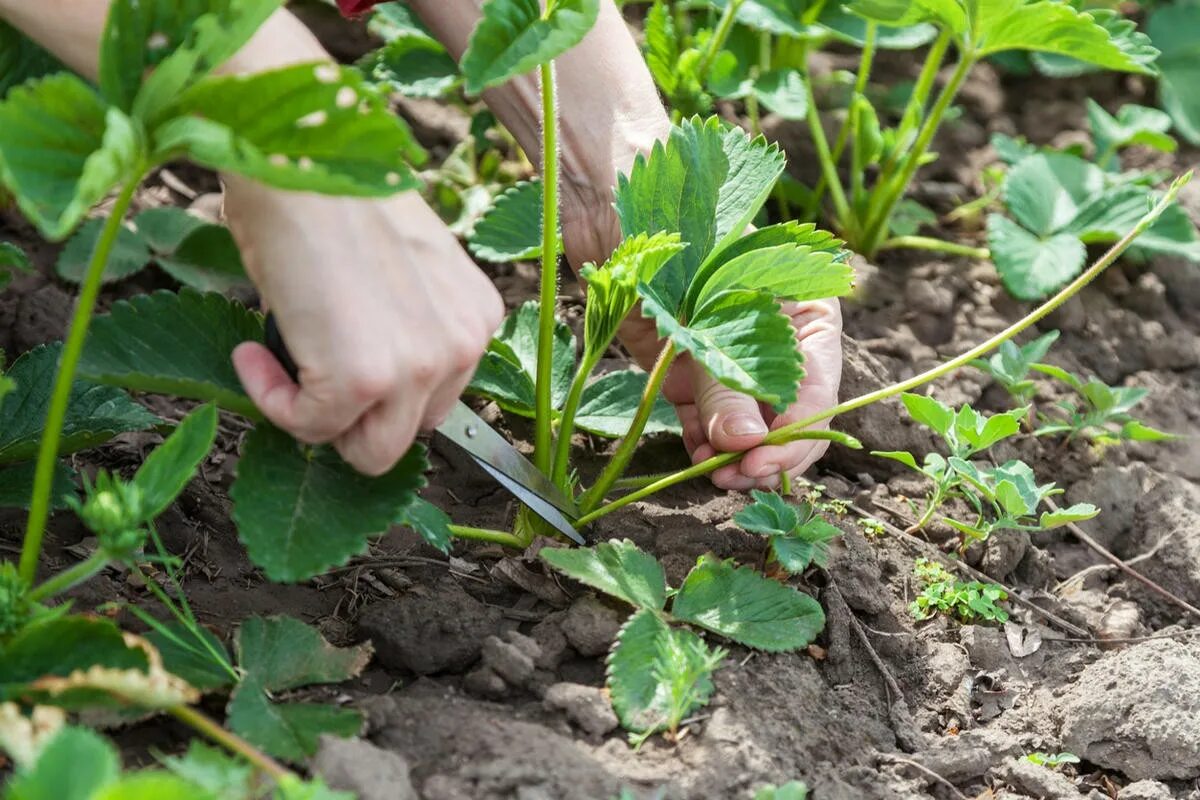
(487, 677)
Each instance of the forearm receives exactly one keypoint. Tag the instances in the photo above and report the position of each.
(609, 109)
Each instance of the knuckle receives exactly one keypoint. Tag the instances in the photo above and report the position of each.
(365, 385)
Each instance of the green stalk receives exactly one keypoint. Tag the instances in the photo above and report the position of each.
(487, 535)
(43, 481)
(620, 459)
(718, 39)
(230, 741)
(566, 424)
(914, 111)
(828, 166)
(798, 429)
(70, 578)
(934, 245)
(548, 294)
(893, 189)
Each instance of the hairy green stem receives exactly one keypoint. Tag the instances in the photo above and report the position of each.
(566, 424)
(43, 481)
(619, 462)
(934, 245)
(797, 430)
(487, 535)
(892, 190)
(70, 578)
(230, 741)
(548, 294)
(718, 38)
(828, 167)
(914, 110)
(638, 481)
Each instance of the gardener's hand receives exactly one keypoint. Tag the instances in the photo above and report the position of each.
(383, 312)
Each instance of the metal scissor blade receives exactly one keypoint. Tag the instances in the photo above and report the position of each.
(511, 469)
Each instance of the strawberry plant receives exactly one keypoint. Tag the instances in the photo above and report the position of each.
(1011, 364)
(797, 535)
(1052, 760)
(942, 593)
(1103, 417)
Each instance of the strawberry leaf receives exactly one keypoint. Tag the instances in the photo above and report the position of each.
(16, 485)
(617, 568)
(609, 403)
(1172, 29)
(428, 520)
(787, 271)
(169, 467)
(783, 92)
(769, 514)
(506, 372)
(21, 59)
(515, 36)
(73, 765)
(413, 64)
(511, 230)
(783, 17)
(1133, 125)
(1029, 267)
(612, 288)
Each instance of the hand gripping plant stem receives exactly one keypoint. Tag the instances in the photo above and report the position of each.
(798, 430)
(43, 482)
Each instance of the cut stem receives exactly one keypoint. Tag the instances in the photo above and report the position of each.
(43, 481)
(935, 245)
(620, 459)
(548, 294)
(798, 429)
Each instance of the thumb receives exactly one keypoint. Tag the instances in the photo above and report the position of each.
(731, 421)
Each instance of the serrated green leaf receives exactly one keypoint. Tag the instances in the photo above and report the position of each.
(58, 646)
(947, 14)
(129, 253)
(62, 150)
(1029, 267)
(662, 47)
(618, 568)
(1054, 27)
(514, 36)
(511, 230)
(308, 127)
(769, 514)
(706, 183)
(783, 17)
(415, 65)
(176, 344)
(1132, 125)
(192, 660)
(1172, 29)
(16, 485)
(212, 770)
(290, 731)
(1064, 516)
(1046, 191)
(783, 91)
(152, 785)
(979, 432)
(208, 259)
(740, 604)
(742, 339)
(852, 29)
(300, 511)
(428, 520)
(95, 414)
(507, 371)
(806, 546)
(169, 467)
(930, 412)
(903, 456)
(609, 403)
(74, 765)
(787, 271)
(612, 288)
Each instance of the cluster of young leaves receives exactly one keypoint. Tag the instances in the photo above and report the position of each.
(659, 672)
(194, 252)
(1103, 414)
(74, 763)
(1058, 202)
(1011, 365)
(1005, 497)
(797, 535)
(942, 593)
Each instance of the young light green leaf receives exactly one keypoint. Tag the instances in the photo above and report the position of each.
(1029, 267)
(742, 339)
(1172, 29)
(787, 271)
(428, 520)
(62, 150)
(783, 92)
(413, 64)
(662, 47)
(175, 344)
(617, 567)
(511, 230)
(308, 127)
(73, 765)
(16, 485)
(506, 372)
(1136, 431)
(852, 29)
(1065, 516)
(151, 785)
(904, 457)
(167, 470)
(612, 288)
(514, 36)
(979, 432)
(740, 604)
(807, 545)
(210, 769)
(769, 514)
(792, 790)
(948, 14)
(300, 512)
(609, 403)
(1132, 125)
(930, 412)
(707, 183)
(1052, 27)
(95, 414)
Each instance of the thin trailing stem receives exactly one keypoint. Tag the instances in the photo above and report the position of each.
(718, 38)
(544, 412)
(230, 741)
(619, 462)
(934, 245)
(43, 481)
(566, 425)
(487, 535)
(70, 578)
(798, 429)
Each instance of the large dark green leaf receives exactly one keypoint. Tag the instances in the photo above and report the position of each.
(413, 64)
(515, 36)
(16, 485)
(610, 402)
(197, 662)
(176, 344)
(1172, 28)
(300, 511)
(740, 604)
(95, 414)
(618, 568)
(58, 646)
(507, 371)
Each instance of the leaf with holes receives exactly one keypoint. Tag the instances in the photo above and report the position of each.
(618, 568)
(95, 414)
(740, 604)
(514, 36)
(301, 510)
(177, 344)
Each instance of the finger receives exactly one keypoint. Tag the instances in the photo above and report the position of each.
(731, 421)
(381, 437)
(442, 402)
(693, 432)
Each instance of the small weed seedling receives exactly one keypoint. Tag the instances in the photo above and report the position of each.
(1104, 416)
(797, 535)
(1052, 760)
(792, 790)
(1011, 364)
(942, 593)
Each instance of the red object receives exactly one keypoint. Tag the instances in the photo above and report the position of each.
(352, 8)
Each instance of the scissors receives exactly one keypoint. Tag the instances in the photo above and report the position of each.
(491, 451)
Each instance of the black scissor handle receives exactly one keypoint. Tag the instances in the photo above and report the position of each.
(274, 341)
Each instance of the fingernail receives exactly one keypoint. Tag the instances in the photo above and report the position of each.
(743, 425)
(765, 471)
